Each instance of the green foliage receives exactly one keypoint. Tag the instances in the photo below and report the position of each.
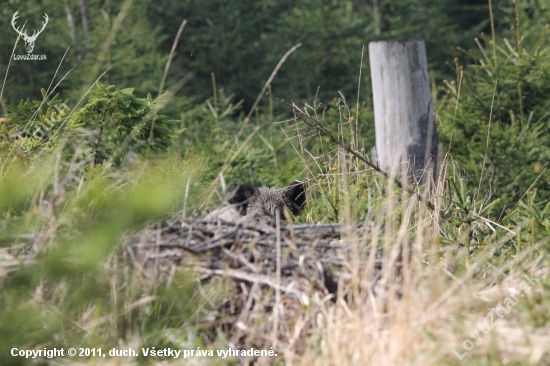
(240, 42)
(242, 150)
(119, 40)
(229, 34)
(34, 125)
(497, 126)
(537, 214)
(120, 122)
(74, 275)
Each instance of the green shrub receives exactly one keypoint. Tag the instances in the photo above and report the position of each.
(496, 122)
(122, 122)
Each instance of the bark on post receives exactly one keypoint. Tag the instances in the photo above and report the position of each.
(403, 109)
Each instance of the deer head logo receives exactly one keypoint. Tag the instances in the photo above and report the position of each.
(29, 41)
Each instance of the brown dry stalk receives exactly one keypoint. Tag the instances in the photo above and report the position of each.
(315, 124)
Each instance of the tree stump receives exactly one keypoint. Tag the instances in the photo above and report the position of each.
(403, 109)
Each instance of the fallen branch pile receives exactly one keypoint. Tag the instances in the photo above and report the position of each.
(276, 274)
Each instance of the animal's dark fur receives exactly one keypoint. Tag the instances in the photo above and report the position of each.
(258, 206)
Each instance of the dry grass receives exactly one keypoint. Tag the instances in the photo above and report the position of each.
(438, 306)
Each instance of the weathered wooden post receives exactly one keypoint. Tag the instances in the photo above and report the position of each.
(403, 109)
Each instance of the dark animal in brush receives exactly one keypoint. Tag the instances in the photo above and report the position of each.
(257, 206)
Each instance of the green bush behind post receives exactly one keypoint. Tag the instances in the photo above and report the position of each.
(497, 122)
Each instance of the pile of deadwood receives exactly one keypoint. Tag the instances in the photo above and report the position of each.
(276, 278)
